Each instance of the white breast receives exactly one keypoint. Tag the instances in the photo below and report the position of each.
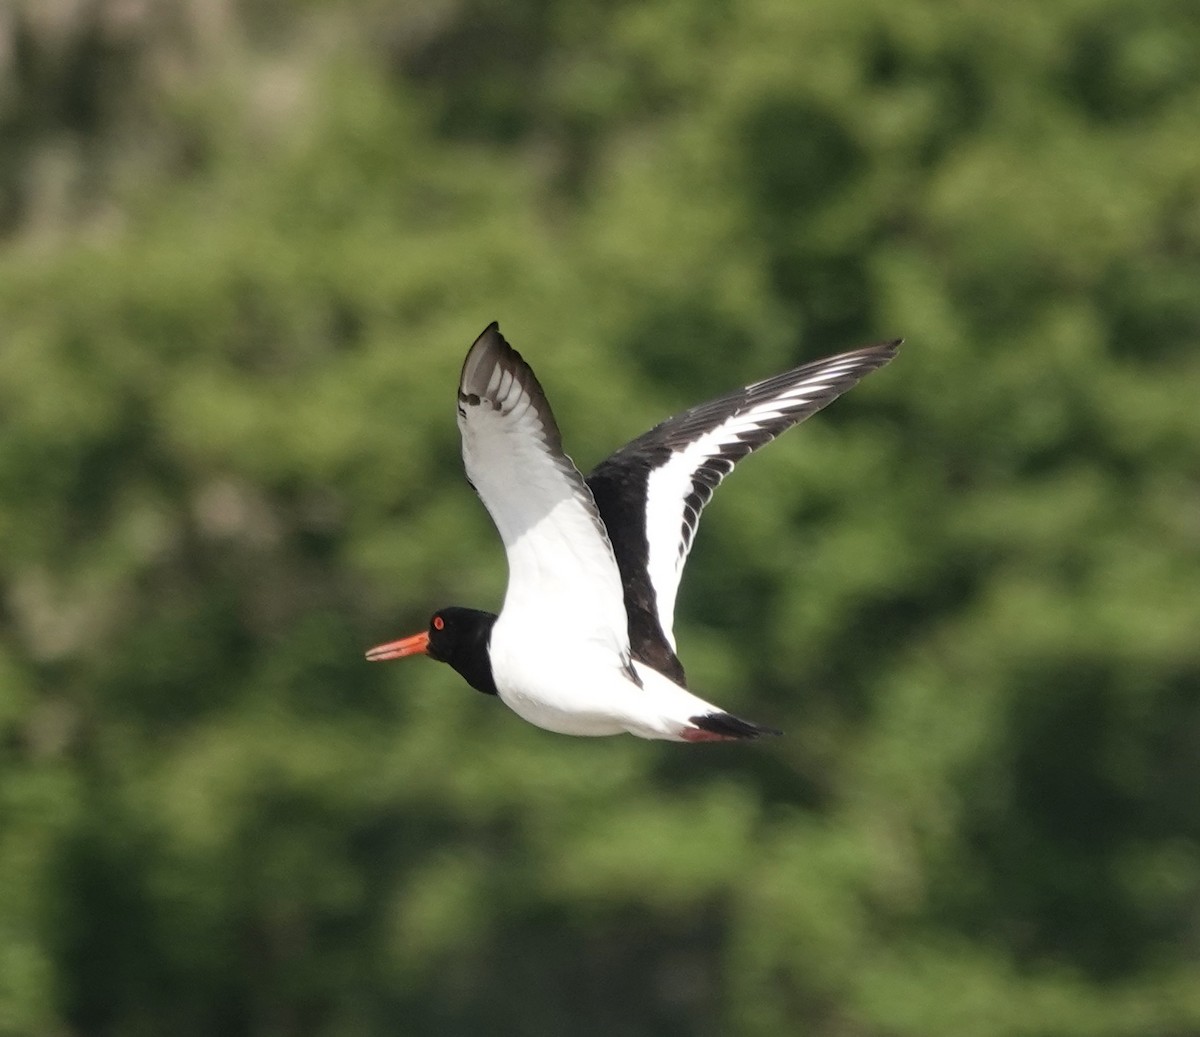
(577, 687)
(558, 682)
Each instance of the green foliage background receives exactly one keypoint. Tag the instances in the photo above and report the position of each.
(245, 245)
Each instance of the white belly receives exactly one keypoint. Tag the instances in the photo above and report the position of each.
(578, 692)
(582, 689)
(561, 720)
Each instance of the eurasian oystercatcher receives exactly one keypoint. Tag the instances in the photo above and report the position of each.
(583, 644)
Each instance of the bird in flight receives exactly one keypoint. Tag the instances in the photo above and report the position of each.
(583, 644)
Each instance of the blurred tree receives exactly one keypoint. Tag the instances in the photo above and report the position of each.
(245, 246)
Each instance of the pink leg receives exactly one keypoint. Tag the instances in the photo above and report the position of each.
(698, 734)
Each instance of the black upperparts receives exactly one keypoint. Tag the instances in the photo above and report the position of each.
(620, 495)
(461, 637)
(712, 437)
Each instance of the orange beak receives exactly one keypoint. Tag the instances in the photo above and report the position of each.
(418, 644)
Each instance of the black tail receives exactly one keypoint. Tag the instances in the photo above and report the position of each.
(726, 725)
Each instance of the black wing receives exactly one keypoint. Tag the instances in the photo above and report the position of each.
(651, 492)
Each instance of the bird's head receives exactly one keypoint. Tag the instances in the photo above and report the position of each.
(458, 636)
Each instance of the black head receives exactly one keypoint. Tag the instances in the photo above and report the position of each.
(457, 636)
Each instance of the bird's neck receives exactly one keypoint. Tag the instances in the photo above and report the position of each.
(472, 659)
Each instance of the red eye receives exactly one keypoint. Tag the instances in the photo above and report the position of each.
(439, 623)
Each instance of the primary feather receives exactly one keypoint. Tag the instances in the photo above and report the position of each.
(651, 492)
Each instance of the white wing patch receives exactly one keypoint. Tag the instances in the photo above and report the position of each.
(563, 580)
(678, 489)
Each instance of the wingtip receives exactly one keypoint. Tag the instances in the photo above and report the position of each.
(490, 333)
(488, 348)
(490, 353)
(887, 349)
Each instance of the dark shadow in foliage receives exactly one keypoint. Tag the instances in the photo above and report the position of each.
(1005, 298)
(193, 661)
(876, 634)
(1169, 772)
(1064, 802)
(953, 79)
(71, 82)
(105, 937)
(487, 73)
(629, 972)
(691, 349)
(486, 66)
(1106, 73)
(796, 158)
(1150, 304)
(830, 295)
(121, 965)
